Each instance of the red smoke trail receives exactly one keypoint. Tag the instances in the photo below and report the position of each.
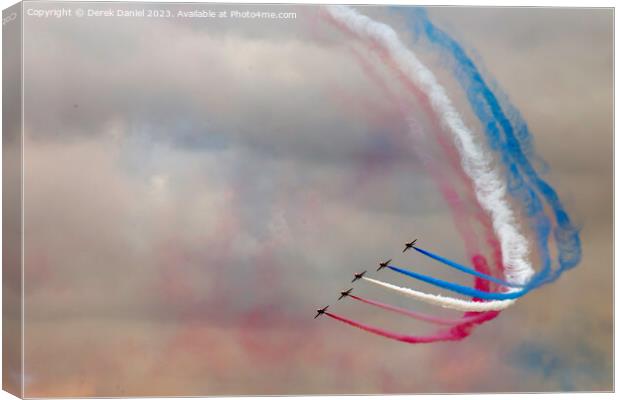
(445, 187)
(458, 332)
(446, 144)
(443, 336)
(449, 194)
(470, 319)
(416, 315)
(480, 265)
(452, 156)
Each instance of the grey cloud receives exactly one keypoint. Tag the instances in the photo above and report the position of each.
(182, 176)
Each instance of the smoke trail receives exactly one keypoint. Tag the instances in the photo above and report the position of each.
(516, 186)
(477, 260)
(464, 328)
(459, 214)
(517, 144)
(465, 290)
(440, 336)
(446, 302)
(467, 270)
(415, 315)
(448, 192)
(480, 264)
(456, 333)
(521, 129)
(489, 188)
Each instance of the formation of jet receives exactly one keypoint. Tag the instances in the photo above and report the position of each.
(320, 311)
(345, 293)
(410, 245)
(384, 264)
(360, 275)
(357, 276)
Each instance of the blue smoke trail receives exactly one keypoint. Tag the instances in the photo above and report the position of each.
(466, 290)
(520, 128)
(467, 270)
(482, 99)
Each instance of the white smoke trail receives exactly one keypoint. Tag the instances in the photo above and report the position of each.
(446, 302)
(490, 190)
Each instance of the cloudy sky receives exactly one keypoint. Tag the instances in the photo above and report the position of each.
(195, 188)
